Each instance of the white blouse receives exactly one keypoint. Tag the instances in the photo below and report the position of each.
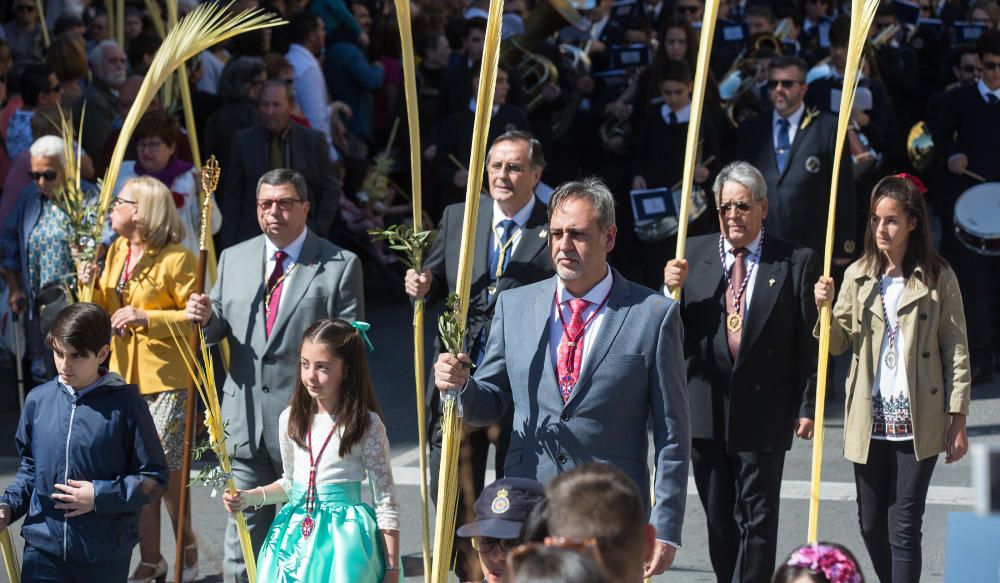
(369, 457)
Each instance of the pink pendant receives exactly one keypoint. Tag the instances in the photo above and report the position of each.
(307, 526)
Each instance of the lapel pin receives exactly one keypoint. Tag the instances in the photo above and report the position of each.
(543, 234)
(771, 282)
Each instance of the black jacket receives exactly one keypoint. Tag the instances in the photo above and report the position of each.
(105, 437)
(751, 404)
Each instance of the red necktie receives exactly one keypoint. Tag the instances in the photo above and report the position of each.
(571, 348)
(272, 295)
(736, 277)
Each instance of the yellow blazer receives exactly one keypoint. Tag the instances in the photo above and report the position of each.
(937, 358)
(160, 285)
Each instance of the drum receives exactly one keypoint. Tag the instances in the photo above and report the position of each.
(667, 226)
(977, 218)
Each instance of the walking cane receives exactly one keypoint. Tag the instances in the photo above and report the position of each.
(18, 347)
(209, 181)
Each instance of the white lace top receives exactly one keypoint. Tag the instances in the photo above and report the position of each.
(368, 458)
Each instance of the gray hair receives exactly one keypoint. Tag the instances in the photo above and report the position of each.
(236, 76)
(280, 176)
(49, 147)
(591, 189)
(288, 87)
(742, 173)
(535, 154)
(96, 54)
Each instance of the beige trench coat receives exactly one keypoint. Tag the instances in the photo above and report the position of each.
(932, 321)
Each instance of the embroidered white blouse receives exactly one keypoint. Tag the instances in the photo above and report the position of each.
(368, 458)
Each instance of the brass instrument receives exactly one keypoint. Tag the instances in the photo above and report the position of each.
(734, 89)
(578, 59)
(920, 146)
(615, 133)
(518, 53)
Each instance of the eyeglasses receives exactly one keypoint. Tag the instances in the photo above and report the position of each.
(48, 175)
(284, 204)
(742, 208)
(150, 145)
(991, 65)
(119, 200)
(772, 84)
(56, 89)
(485, 545)
(971, 69)
(687, 9)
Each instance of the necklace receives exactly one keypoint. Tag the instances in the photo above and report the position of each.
(308, 524)
(126, 271)
(734, 321)
(890, 352)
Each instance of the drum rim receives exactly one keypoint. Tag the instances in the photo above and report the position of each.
(973, 230)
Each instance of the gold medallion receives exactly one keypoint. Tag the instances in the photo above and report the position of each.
(734, 322)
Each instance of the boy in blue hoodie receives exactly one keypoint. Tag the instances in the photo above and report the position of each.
(90, 459)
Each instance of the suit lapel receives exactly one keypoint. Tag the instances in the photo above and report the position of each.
(800, 136)
(614, 317)
(297, 283)
(713, 273)
(765, 295)
(543, 308)
(534, 238)
(260, 151)
(484, 228)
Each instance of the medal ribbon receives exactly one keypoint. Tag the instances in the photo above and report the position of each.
(737, 295)
(313, 462)
(885, 314)
(504, 246)
(573, 344)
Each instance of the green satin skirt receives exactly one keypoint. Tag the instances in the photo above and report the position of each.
(344, 544)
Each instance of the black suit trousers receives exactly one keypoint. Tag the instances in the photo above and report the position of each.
(741, 493)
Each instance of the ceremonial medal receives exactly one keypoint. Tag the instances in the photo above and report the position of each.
(890, 360)
(307, 526)
(890, 351)
(734, 322)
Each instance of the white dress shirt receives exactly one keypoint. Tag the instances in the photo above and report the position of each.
(683, 115)
(793, 124)
(293, 249)
(986, 91)
(596, 297)
(520, 217)
(752, 260)
(310, 90)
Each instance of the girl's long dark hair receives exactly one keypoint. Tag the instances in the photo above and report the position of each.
(357, 396)
(919, 248)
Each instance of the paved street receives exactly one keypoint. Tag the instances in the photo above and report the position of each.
(392, 369)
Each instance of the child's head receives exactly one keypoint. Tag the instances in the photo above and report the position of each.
(333, 372)
(675, 85)
(79, 340)
(819, 563)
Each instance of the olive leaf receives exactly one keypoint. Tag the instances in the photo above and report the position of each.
(411, 244)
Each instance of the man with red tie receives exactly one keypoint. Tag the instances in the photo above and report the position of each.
(584, 360)
(270, 289)
(751, 361)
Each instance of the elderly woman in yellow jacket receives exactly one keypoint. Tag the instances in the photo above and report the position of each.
(900, 314)
(145, 284)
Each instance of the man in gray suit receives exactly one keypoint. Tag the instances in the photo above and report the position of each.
(270, 289)
(586, 359)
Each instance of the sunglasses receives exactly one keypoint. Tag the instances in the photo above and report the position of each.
(48, 175)
(485, 545)
(991, 65)
(786, 83)
(284, 204)
(741, 207)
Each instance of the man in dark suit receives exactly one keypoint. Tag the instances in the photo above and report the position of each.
(511, 239)
(276, 143)
(794, 150)
(746, 305)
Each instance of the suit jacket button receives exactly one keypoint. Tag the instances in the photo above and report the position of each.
(268, 359)
(561, 458)
(933, 390)
(926, 355)
(923, 316)
(564, 418)
(266, 389)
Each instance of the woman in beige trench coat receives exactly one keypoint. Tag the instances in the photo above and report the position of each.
(900, 314)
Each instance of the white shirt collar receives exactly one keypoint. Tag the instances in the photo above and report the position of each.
(520, 217)
(793, 120)
(596, 294)
(985, 91)
(297, 50)
(683, 115)
(753, 247)
(293, 249)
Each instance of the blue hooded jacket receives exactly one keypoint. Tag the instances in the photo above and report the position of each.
(103, 434)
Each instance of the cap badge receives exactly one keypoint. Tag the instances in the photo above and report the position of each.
(501, 503)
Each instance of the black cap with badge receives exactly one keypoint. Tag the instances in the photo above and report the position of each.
(503, 507)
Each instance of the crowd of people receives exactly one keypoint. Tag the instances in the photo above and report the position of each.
(574, 343)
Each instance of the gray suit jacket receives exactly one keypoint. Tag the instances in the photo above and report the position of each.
(634, 371)
(326, 283)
